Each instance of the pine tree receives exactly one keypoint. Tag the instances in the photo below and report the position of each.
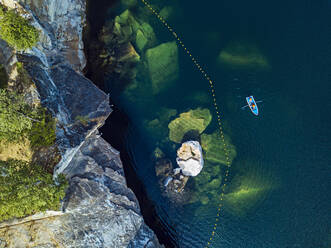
(16, 30)
(16, 117)
(26, 189)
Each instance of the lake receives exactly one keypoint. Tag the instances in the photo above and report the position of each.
(277, 194)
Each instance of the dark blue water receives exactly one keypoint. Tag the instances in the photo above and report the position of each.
(285, 151)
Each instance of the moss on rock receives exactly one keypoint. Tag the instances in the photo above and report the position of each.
(197, 119)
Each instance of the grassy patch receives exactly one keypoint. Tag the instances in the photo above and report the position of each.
(16, 150)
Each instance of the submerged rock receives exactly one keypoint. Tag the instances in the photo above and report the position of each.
(123, 41)
(162, 63)
(193, 120)
(167, 12)
(129, 3)
(145, 37)
(249, 187)
(243, 55)
(207, 184)
(163, 167)
(129, 29)
(171, 181)
(189, 158)
(158, 126)
(213, 146)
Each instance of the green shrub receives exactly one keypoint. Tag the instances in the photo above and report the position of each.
(18, 120)
(26, 189)
(16, 117)
(42, 133)
(16, 30)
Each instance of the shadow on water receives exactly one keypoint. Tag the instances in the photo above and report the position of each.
(96, 14)
(115, 129)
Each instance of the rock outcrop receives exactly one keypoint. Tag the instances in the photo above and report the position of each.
(98, 210)
(189, 158)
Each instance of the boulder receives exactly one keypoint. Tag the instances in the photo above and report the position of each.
(162, 64)
(128, 28)
(197, 119)
(125, 26)
(145, 37)
(189, 158)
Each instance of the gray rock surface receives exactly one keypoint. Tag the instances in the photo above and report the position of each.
(189, 158)
(99, 210)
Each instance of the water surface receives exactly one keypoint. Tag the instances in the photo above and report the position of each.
(284, 152)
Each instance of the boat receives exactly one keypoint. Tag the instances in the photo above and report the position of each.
(252, 105)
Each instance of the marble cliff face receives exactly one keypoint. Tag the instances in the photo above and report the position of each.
(98, 210)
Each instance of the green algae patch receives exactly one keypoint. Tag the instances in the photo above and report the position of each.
(213, 146)
(243, 55)
(207, 185)
(158, 126)
(193, 120)
(162, 64)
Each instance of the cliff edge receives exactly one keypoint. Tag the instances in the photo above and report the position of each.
(99, 210)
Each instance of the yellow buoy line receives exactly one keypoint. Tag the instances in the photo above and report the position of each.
(212, 90)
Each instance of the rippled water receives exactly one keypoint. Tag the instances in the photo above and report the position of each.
(283, 154)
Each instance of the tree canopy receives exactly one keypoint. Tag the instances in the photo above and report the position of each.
(18, 120)
(16, 30)
(26, 188)
(16, 116)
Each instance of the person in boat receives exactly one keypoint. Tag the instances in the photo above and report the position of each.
(253, 106)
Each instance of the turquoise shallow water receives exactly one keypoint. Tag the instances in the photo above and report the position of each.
(285, 150)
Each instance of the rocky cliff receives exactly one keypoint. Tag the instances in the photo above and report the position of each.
(98, 210)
